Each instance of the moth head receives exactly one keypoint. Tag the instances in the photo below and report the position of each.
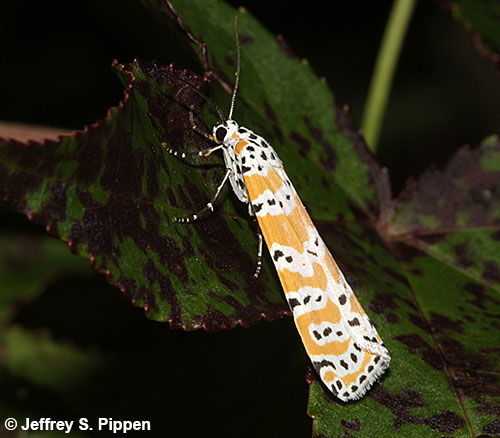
(222, 132)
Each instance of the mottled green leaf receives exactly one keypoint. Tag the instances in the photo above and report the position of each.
(442, 316)
(111, 190)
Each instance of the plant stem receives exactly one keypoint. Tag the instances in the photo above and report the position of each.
(385, 66)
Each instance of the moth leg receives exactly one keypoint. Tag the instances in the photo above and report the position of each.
(204, 152)
(209, 206)
(259, 236)
(259, 253)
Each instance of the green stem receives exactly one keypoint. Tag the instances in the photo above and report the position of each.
(385, 66)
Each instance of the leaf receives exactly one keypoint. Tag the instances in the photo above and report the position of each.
(27, 265)
(482, 19)
(32, 356)
(442, 316)
(30, 387)
(310, 131)
(111, 190)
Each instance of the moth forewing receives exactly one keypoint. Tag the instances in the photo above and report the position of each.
(343, 345)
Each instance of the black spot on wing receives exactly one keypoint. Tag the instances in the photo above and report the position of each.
(324, 363)
(293, 302)
(354, 322)
(277, 254)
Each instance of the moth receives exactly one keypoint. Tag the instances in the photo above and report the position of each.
(341, 341)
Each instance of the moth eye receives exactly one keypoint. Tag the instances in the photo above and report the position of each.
(220, 133)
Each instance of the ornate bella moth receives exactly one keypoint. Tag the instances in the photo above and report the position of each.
(339, 338)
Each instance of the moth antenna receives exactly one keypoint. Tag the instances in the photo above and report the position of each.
(236, 83)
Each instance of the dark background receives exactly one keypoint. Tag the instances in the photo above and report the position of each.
(56, 58)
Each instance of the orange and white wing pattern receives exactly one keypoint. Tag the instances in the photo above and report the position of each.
(339, 338)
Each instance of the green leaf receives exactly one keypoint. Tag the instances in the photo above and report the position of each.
(32, 356)
(282, 99)
(442, 312)
(30, 387)
(28, 264)
(482, 19)
(111, 190)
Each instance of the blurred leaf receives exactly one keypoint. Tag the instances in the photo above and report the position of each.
(482, 19)
(33, 356)
(28, 264)
(31, 388)
(25, 132)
